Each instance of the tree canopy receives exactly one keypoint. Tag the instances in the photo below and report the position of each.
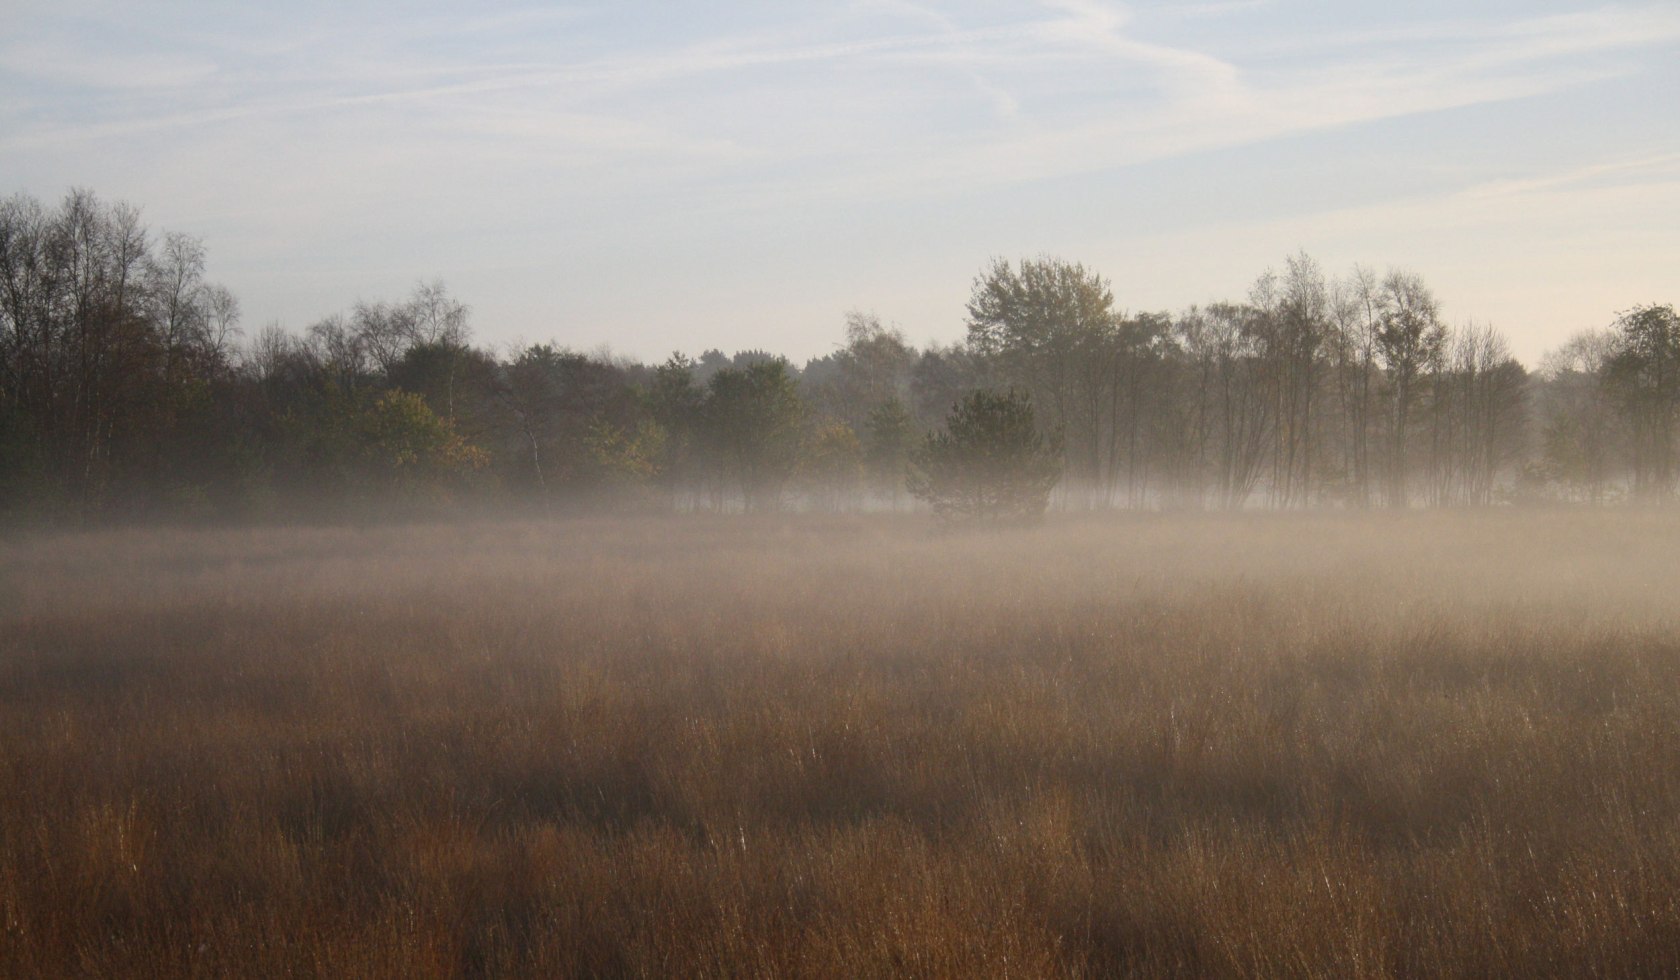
(989, 463)
(128, 391)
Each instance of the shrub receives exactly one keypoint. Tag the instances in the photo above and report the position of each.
(990, 463)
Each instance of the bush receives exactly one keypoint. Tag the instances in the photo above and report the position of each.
(990, 463)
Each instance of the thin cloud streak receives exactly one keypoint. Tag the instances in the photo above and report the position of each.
(593, 124)
(1206, 99)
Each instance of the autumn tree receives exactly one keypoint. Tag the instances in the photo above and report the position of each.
(408, 451)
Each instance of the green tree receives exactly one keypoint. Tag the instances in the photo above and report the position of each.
(990, 463)
(626, 461)
(833, 465)
(408, 449)
(1049, 325)
(672, 399)
(889, 437)
(754, 422)
(552, 401)
(457, 381)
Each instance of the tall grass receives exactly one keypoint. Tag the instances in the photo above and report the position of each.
(1315, 745)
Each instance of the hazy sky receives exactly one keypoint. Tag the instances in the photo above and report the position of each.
(679, 175)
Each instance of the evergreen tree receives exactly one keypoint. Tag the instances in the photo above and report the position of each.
(990, 463)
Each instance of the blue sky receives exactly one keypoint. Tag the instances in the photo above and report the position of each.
(680, 175)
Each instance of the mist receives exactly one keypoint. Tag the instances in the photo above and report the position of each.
(134, 393)
(801, 745)
(1044, 488)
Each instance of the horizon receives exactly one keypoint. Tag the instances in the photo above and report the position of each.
(739, 177)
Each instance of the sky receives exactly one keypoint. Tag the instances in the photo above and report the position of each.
(655, 177)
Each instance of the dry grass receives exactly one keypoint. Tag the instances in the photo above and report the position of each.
(1316, 746)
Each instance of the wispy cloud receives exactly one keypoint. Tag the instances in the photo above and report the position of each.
(1215, 9)
(1104, 96)
(61, 63)
(1649, 172)
(1600, 29)
(1191, 102)
(1102, 27)
(736, 123)
(1071, 86)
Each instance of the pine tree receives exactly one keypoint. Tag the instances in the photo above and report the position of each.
(990, 463)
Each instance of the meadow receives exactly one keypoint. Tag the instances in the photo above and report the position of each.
(1157, 745)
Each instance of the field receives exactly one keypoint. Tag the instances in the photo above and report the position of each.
(1316, 745)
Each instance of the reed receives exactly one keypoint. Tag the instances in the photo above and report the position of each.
(1312, 745)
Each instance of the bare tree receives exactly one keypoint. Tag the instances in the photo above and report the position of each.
(177, 284)
(1477, 416)
(1295, 316)
(1409, 341)
(1231, 399)
(435, 317)
(1356, 309)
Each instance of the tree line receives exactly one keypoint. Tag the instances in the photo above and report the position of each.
(130, 390)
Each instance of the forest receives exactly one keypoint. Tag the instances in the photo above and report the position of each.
(131, 390)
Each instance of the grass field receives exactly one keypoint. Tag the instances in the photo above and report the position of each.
(1403, 745)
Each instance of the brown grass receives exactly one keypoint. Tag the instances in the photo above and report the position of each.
(1314, 746)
